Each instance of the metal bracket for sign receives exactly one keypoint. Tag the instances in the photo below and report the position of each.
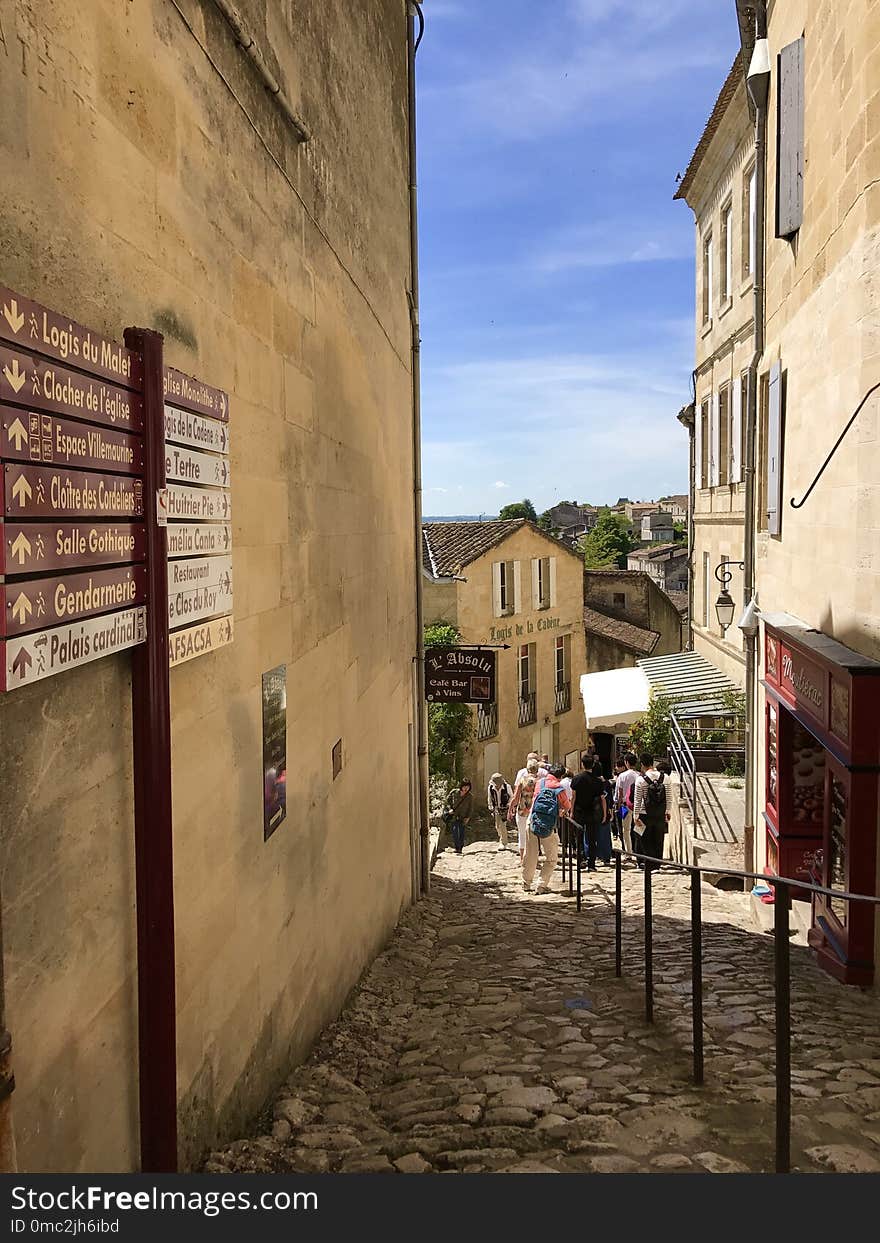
(479, 647)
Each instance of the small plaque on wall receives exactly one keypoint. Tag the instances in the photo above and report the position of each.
(274, 749)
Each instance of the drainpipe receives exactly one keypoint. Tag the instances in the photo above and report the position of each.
(415, 25)
(759, 88)
(688, 419)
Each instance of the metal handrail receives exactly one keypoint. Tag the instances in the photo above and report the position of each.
(684, 763)
(782, 957)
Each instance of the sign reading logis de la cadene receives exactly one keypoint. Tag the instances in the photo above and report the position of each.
(498, 633)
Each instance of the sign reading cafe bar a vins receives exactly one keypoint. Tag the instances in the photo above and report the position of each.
(71, 494)
(199, 512)
(459, 675)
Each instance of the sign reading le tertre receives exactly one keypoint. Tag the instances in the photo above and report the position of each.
(460, 675)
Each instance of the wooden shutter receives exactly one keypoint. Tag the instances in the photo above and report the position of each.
(736, 432)
(517, 586)
(715, 441)
(790, 140)
(551, 561)
(698, 446)
(774, 451)
(496, 589)
(536, 583)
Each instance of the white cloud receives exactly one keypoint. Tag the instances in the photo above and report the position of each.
(609, 243)
(499, 484)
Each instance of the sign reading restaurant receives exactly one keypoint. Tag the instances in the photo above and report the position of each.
(460, 675)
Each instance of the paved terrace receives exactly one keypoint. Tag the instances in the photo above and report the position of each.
(492, 1035)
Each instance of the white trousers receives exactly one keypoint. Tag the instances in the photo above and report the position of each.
(522, 829)
(550, 848)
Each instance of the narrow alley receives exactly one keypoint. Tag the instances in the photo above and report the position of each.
(491, 1035)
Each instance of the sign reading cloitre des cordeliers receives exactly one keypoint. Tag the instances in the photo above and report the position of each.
(72, 542)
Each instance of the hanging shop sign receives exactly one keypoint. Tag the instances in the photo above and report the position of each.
(460, 675)
(274, 749)
(28, 436)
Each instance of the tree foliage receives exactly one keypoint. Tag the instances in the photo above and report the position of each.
(519, 509)
(608, 544)
(651, 733)
(450, 726)
(679, 531)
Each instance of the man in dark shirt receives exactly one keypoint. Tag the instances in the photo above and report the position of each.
(590, 807)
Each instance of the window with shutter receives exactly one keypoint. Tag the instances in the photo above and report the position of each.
(497, 588)
(737, 455)
(551, 565)
(726, 253)
(701, 447)
(516, 571)
(790, 139)
(748, 221)
(715, 443)
(763, 414)
(707, 279)
(774, 451)
(724, 434)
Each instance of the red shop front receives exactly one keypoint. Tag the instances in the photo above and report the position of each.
(822, 756)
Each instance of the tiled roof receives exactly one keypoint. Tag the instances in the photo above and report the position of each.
(728, 90)
(449, 546)
(633, 638)
(659, 552)
(679, 599)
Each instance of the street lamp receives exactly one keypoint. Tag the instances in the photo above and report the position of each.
(724, 605)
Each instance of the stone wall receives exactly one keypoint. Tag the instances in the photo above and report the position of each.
(278, 271)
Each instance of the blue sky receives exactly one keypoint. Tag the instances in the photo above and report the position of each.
(557, 274)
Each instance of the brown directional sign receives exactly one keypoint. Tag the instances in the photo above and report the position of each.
(29, 436)
(37, 383)
(35, 547)
(191, 394)
(459, 675)
(30, 326)
(44, 602)
(45, 492)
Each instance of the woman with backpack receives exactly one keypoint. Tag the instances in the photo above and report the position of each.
(457, 813)
(521, 803)
(551, 800)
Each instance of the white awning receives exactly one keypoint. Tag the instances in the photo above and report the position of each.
(616, 697)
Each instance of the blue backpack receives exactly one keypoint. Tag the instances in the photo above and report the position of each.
(545, 810)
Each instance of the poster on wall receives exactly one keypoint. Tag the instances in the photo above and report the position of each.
(274, 749)
(459, 675)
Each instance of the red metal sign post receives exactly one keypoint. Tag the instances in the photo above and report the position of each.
(151, 725)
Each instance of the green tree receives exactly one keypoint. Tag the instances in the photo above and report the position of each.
(679, 531)
(651, 733)
(519, 509)
(545, 522)
(607, 545)
(450, 726)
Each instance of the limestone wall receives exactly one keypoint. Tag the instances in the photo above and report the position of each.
(142, 195)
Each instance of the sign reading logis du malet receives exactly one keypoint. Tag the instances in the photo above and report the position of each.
(460, 675)
(71, 494)
(199, 512)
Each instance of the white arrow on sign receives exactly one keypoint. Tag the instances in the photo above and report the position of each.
(22, 608)
(18, 433)
(12, 315)
(22, 491)
(21, 547)
(15, 376)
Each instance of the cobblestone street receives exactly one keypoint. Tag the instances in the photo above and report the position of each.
(492, 1035)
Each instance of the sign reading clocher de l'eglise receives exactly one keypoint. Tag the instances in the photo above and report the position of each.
(460, 675)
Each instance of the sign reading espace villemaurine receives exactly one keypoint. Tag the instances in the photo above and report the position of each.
(460, 675)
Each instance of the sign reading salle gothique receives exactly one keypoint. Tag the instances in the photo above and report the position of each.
(460, 675)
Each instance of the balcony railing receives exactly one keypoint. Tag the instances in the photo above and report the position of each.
(487, 721)
(528, 709)
(563, 698)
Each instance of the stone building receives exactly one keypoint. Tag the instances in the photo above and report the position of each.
(508, 582)
(627, 616)
(159, 183)
(657, 528)
(719, 187)
(666, 564)
(810, 539)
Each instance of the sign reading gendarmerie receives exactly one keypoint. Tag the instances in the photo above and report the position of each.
(37, 603)
(459, 675)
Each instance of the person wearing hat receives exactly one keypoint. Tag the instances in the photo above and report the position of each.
(498, 798)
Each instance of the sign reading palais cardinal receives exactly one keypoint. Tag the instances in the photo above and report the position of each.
(459, 675)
